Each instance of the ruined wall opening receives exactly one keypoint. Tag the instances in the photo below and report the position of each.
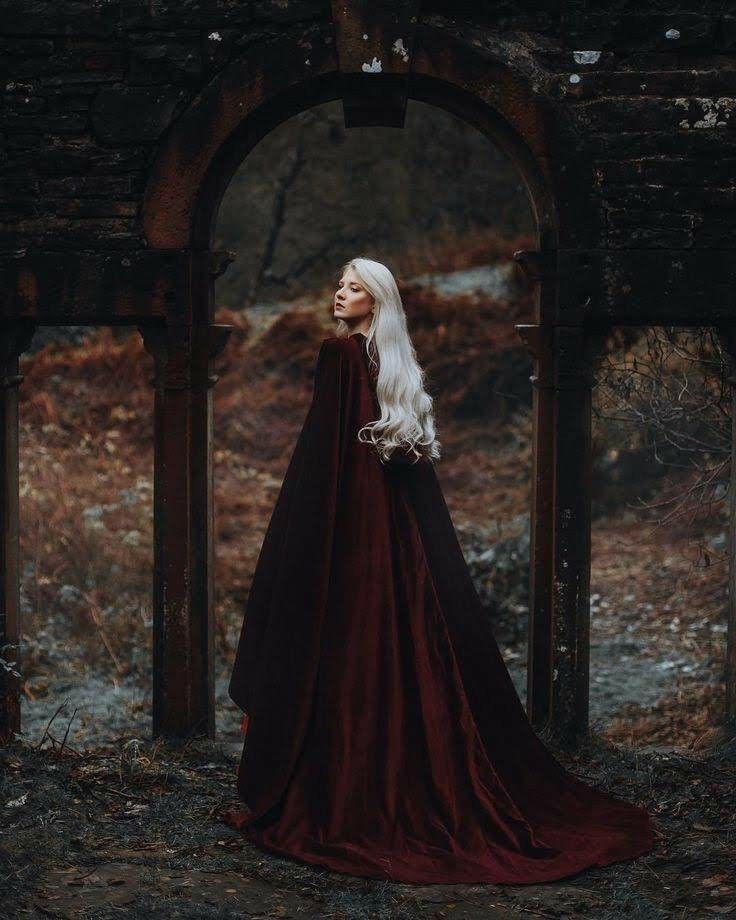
(446, 210)
(659, 575)
(185, 185)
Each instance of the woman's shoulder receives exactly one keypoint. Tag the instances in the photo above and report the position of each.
(336, 351)
(344, 340)
(345, 344)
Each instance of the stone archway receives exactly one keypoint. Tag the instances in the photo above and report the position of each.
(508, 97)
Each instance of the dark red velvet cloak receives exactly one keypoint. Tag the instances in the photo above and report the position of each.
(385, 737)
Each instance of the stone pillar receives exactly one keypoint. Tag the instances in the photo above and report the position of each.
(538, 339)
(15, 337)
(576, 351)
(183, 583)
(727, 335)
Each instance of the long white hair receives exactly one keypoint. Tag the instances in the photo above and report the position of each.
(407, 419)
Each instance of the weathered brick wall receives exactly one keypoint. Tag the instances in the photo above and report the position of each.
(91, 88)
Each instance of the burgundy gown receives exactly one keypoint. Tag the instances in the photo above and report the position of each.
(385, 737)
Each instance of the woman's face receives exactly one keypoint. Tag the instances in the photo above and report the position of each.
(352, 301)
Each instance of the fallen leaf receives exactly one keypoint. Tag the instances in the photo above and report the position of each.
(715, 880)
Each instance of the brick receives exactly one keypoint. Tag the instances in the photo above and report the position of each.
(72, 78)
(44, 123)
(617, 114)
(73, 186)
(62, 233)
(131, 115)
(18, 102)
(652, 287)
(665, 82)
(22, 140)
(657, 220)
(41, 18)
(28, 47)
(649, 30)
(712, 232)
(91, 207)
(176, 16)
(20, 208)
(665, 171)
(65, 162)
(702, 145)
(648, 238)
(664, 198)
(165, 63)
(19, 185)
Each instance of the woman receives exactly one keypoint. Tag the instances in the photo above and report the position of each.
(385, 737)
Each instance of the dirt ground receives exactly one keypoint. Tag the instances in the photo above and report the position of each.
(134, 829)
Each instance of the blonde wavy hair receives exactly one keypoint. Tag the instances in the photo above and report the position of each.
(407, 420)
